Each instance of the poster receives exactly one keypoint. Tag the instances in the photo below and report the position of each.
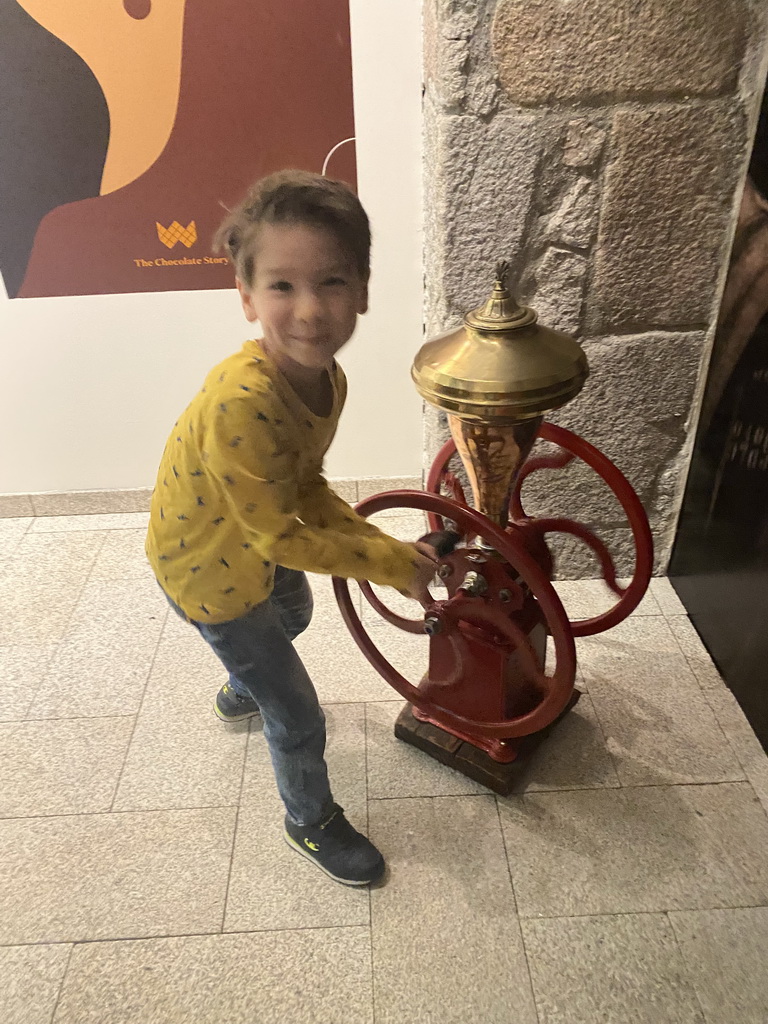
(128, 126)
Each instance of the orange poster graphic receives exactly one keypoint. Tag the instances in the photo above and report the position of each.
(127, 126)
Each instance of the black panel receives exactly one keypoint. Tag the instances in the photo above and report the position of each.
(720, 561)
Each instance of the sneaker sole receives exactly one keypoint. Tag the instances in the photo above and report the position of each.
(235, 718)
(344, 881)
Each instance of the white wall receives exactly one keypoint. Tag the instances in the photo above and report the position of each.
(91, 385)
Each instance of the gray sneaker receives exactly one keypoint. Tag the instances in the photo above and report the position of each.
(231, 707)
(337, 848)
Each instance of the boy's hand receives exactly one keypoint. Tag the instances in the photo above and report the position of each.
(443, 542)
(425, 559)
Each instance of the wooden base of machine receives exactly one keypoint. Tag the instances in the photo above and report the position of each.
(468, 759)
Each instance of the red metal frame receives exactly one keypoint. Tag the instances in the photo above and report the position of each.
(571, 446)
(550, 693)
(487, 682)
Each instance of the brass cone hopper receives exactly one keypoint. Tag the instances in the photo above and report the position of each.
(496, 377)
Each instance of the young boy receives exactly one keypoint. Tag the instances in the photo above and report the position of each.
(241, 508)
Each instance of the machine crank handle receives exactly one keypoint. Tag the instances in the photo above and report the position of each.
(443, 541)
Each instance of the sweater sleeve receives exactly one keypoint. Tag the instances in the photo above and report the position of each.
(255, 469)
(321, 506)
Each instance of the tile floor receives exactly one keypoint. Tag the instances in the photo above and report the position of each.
(143, 877)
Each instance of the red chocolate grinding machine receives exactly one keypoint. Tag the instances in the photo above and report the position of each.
(487, 698)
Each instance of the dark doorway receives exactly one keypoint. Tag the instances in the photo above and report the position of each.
(719, 564)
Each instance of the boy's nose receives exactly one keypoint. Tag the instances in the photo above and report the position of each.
(309, 307)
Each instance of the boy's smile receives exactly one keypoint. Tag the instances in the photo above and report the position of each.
(306, 293)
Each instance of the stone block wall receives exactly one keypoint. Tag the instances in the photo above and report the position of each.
(601, 147)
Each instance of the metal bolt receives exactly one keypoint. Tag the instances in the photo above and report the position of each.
(474, 584)
(432, 625)
(444, 571)
(505, 595)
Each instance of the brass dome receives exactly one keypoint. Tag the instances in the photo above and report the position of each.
(501, 366)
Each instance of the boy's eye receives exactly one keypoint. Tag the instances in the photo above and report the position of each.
(334, 281)
(281, 286)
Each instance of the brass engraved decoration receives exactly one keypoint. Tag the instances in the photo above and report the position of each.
(496, 377)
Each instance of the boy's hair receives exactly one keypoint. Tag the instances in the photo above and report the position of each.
(296, 197)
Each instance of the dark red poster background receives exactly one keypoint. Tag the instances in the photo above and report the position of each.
(265, 84)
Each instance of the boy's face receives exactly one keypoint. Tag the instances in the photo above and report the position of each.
(305, 293)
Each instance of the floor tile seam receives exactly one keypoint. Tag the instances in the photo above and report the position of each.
(673, 615)
(528, 959)
(713, 706)
(674, 912)
(46, 670)
(341, 703)
(96, 553)
(365, 767)
(568, 789)
(686, 785)
(355, 596)
(182, 935)
(296, 928)
(55, 1010)
(77, 718)
(56, 643)
(373, 799)
(517, 912)
(645, 913)
(165, 633)
(506, 854)
(23, 533)
(697, 686)
(114, 813)
(705, 694)
(634, 618)
(689, 661)
(431, 796)
(373, 972)
(763, 803)
(368, 827)
(84, 583)
(624, 788)
(370, 891)
(686, 967)
(13, 643)
(35, 576)
(604, 734)
(237, 822)
(728, 746)
(352, 703)
(138, 711)
(357, 604)
(72, 529)
(579, 917)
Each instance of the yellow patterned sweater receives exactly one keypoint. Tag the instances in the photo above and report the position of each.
(240, 490)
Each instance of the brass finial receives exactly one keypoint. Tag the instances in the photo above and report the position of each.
(501, 366)
(501, 311)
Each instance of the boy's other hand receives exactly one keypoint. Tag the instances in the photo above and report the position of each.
(425, 560)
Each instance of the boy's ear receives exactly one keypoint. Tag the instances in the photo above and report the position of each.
(362, 306)
(246, 298)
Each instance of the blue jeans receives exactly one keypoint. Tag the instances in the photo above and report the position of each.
(258, 653)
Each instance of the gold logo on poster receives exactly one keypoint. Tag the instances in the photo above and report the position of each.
(177, 233)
